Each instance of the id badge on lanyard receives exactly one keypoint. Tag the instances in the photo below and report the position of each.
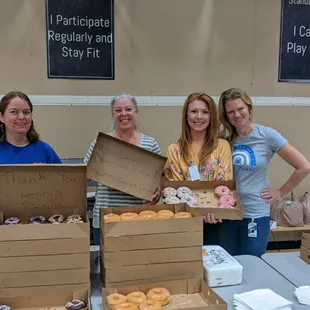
(193, 172)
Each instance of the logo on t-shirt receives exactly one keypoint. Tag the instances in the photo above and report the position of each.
(243, 158)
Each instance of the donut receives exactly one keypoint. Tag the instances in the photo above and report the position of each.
(159, 294)
(182, 215)
(56, 219)
(226, 206)
(5, 307)
(76, 304)
(150, 304)
(147, 215)
(75, 218)
(167, 214)
(169, 192)
(129, 216)
(190, 200)
(116, 298)
(111, 217)
(171, 200)
(12, 221)
(221, 190)
(181, 191)
(227, 199)
(37, 220)
(136, 297)
(126, 305)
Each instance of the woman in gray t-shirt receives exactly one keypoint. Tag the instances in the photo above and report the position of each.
(253, 147)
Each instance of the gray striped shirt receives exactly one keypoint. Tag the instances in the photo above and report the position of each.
(108, 197)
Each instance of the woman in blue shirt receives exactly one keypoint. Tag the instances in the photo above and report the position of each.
(19, 141)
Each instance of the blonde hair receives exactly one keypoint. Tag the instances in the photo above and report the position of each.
(211, 140)
(227, 130)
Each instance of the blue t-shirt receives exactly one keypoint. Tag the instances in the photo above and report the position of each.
(34, 153)
(251, 157)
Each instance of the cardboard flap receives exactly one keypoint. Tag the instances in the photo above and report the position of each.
(41, 232)
(305, 240)
(125, 167)
(31, 190)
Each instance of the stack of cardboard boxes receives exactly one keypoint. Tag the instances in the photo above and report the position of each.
(305, 247)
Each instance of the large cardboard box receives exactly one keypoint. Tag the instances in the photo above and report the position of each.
(305, 247)
(135, 252)
(187, 294)
(203, 191)
(125, 167)
(38, 258)
(50, 300)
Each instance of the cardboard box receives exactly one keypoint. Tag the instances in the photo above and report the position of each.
(48, 256)
(305, 247)
(201, 295)
(204, 192)
(135, 252)
(125, 167)
(55, 300)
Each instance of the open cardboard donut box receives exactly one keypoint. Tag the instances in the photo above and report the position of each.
(203, 191)
(188, 294)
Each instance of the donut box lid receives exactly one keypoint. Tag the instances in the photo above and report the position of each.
(203, 191)
(45, 300)
(41, 189)
(305, 240)
(125, 167)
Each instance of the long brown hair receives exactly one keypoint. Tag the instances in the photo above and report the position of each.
(227, 130)
(211, 140)
(32, 134)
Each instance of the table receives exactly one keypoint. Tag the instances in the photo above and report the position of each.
(256, 274)
(290, 266)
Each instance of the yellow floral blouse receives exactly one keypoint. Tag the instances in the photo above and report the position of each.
(219, 166)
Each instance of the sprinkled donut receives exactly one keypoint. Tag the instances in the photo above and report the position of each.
(111, 217)
(169, 191)
(116, 298)
(171, 200)
(76, 304)
(159, 294)
(37, 220)
(221, 191)
(226, 206)
(75, 218)
(227, 199)
(182, 191)
(136, 297)
(5, 307)
(12, 221)
(56, 219)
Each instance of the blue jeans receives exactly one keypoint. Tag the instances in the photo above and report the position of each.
(233, 236)
(96, 234)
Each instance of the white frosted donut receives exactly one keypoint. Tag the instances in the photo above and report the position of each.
(227, 199)
(182, 191)
(169, 191)
(221, 191)
(171, 200)
(190, 200)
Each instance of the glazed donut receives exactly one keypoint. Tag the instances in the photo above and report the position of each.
(226, 206)
(129, 216)
(12, 221)
(5, 307)
(111, 217)
(165, 214)
(159, 294)
(37, 220)
(76, 304)
(182, 215)
(126, 305)
(169, 192)
(227, 199)
(115, 299)
(75, 218)
(147, 215)
(150, 304)
(182, 191)
(221, 191)
(171, 200)
(56, 219)
(136, 297)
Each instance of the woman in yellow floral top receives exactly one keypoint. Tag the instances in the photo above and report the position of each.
(200, 154)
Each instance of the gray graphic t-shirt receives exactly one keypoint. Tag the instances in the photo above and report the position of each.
(251, 157)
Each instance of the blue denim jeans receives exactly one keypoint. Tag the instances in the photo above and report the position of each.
(234, 238)
(96, 234)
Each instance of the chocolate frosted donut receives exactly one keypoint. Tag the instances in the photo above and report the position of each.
(5, 307)
(12, 221)
(56, 219)
(183, 191)
(75, 218)
(37, 220)
(76, 304)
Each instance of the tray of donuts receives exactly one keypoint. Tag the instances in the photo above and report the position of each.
(217, 197)
(171, 295)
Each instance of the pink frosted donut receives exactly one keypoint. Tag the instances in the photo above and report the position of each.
(169, 191)
(227, 199)
(183, 191)
(226, 206)
(221, 191)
